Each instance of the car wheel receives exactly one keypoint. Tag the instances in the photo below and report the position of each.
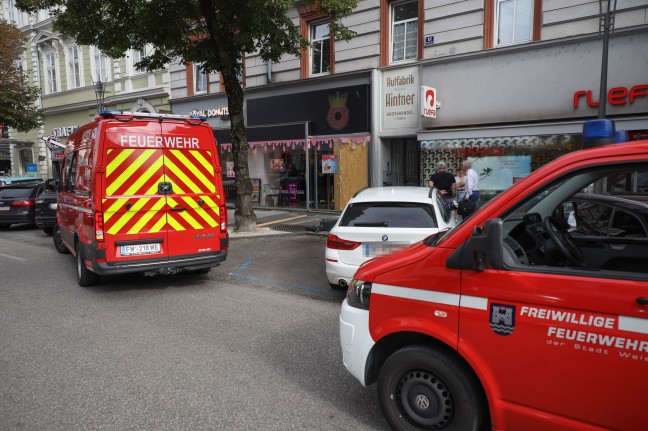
(85, 276)
(48, 230)
(422, 389)
(58, 242)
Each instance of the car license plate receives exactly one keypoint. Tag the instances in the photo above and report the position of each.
(53, 206)
(130, 250)
(376, 249)
(4, 208)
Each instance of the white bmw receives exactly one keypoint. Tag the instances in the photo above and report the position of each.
(378, 220)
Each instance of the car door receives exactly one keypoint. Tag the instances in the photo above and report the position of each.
(193, 178)
(133, 202)
(562, 347)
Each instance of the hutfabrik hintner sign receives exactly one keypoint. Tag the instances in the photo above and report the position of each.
(400, 93)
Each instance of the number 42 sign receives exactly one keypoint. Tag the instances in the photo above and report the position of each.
(429, 102)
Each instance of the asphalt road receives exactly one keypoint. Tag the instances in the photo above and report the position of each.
(251, 345)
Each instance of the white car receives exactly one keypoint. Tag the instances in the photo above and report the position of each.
(381, 219)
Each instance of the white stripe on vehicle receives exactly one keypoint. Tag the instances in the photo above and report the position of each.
(416, 294)
(633, 324)
(476, 302)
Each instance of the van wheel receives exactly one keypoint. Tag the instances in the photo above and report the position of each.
(85, 276)
(424, 389)
(58, 242)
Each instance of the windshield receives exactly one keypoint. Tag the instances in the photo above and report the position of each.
(15, 193)
(389, 214)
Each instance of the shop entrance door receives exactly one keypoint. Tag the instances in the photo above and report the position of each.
(405, 162)
(323, 169)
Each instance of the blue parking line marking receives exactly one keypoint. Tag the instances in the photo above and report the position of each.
(275, 283)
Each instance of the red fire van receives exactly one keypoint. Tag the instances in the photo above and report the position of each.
(139, 193)
(530, 315)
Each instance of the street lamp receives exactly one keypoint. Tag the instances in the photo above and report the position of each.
(606, 17)
(100, 93)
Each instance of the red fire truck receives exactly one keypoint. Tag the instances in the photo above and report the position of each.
(530, 315)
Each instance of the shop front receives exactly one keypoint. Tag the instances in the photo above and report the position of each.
(513, 110)
(308, 146)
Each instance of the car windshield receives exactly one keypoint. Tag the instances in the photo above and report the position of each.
(389, 214)
(7, 193)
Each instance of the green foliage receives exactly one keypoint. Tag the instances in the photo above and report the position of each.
(17, 97)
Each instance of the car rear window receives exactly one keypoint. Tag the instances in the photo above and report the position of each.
(389, 214)
(15, 193)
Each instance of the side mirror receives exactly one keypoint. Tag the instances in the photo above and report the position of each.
(484, 249)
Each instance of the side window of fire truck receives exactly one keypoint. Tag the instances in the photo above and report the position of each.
(70, 172)
(83, 172)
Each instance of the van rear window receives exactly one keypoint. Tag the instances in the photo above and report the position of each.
(389, 214)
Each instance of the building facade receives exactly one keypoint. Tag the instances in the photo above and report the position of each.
(514, 81)
(68, 76)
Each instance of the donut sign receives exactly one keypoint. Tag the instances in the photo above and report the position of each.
(428, 102)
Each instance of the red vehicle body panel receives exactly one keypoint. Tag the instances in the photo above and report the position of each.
(577, 356)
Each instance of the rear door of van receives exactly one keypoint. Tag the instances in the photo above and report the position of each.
(134, 209)
(194, 188)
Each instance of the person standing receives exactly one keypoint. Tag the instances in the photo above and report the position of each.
(446, 184)
(472, 184)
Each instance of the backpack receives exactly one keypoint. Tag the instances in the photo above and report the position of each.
(466, 208)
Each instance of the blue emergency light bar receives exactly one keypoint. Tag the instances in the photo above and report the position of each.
(602, 132)
(108, 113)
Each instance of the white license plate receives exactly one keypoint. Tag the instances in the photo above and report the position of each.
(130, 250)
(377, 249)
(4, 208)
(53, 206)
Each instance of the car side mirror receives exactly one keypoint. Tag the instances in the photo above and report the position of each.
(484, 249)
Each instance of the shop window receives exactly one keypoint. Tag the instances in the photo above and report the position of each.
(73, 67)
(51, 72)
(511, 21)
(401, 25)
(320, 48)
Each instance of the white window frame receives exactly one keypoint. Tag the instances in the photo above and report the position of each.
(199, 76)
(134, 57)
(50, 60)
(392, 23)
(321, 41)
(97, 56)
(496, 35)
(15, 15)
(73, 67)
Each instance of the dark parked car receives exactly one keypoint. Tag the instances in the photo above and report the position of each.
(17, 203)
(46, 207)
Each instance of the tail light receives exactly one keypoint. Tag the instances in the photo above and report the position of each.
(23, 203)
(223, 219)
(99, 232)
(336, 243)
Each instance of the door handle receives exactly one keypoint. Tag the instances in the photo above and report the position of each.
(128, 205)
(165, 188)
(178, 209)
(642, 300)
(201, 202)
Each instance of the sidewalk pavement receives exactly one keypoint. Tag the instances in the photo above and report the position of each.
(280, 222)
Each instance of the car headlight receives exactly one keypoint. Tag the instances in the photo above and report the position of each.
(358, 294)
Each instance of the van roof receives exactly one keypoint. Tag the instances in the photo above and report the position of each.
(112, 113)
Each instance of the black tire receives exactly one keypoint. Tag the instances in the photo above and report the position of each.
(48, 230)
(85, 276)
(58, 242)
(423, 389)
(203, 270)
(4, 226)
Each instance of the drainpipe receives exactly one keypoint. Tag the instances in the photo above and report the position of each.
(269, 72)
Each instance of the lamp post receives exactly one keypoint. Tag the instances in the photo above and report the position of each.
(606, 14)
(100, 93)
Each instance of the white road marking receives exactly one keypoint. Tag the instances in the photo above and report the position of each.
(8, 256)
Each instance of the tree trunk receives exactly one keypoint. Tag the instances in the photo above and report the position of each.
(244, 217)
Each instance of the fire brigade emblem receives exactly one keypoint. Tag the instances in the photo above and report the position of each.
(338, 113)
(502, 318)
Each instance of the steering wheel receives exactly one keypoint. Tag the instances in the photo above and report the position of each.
(563, 242)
